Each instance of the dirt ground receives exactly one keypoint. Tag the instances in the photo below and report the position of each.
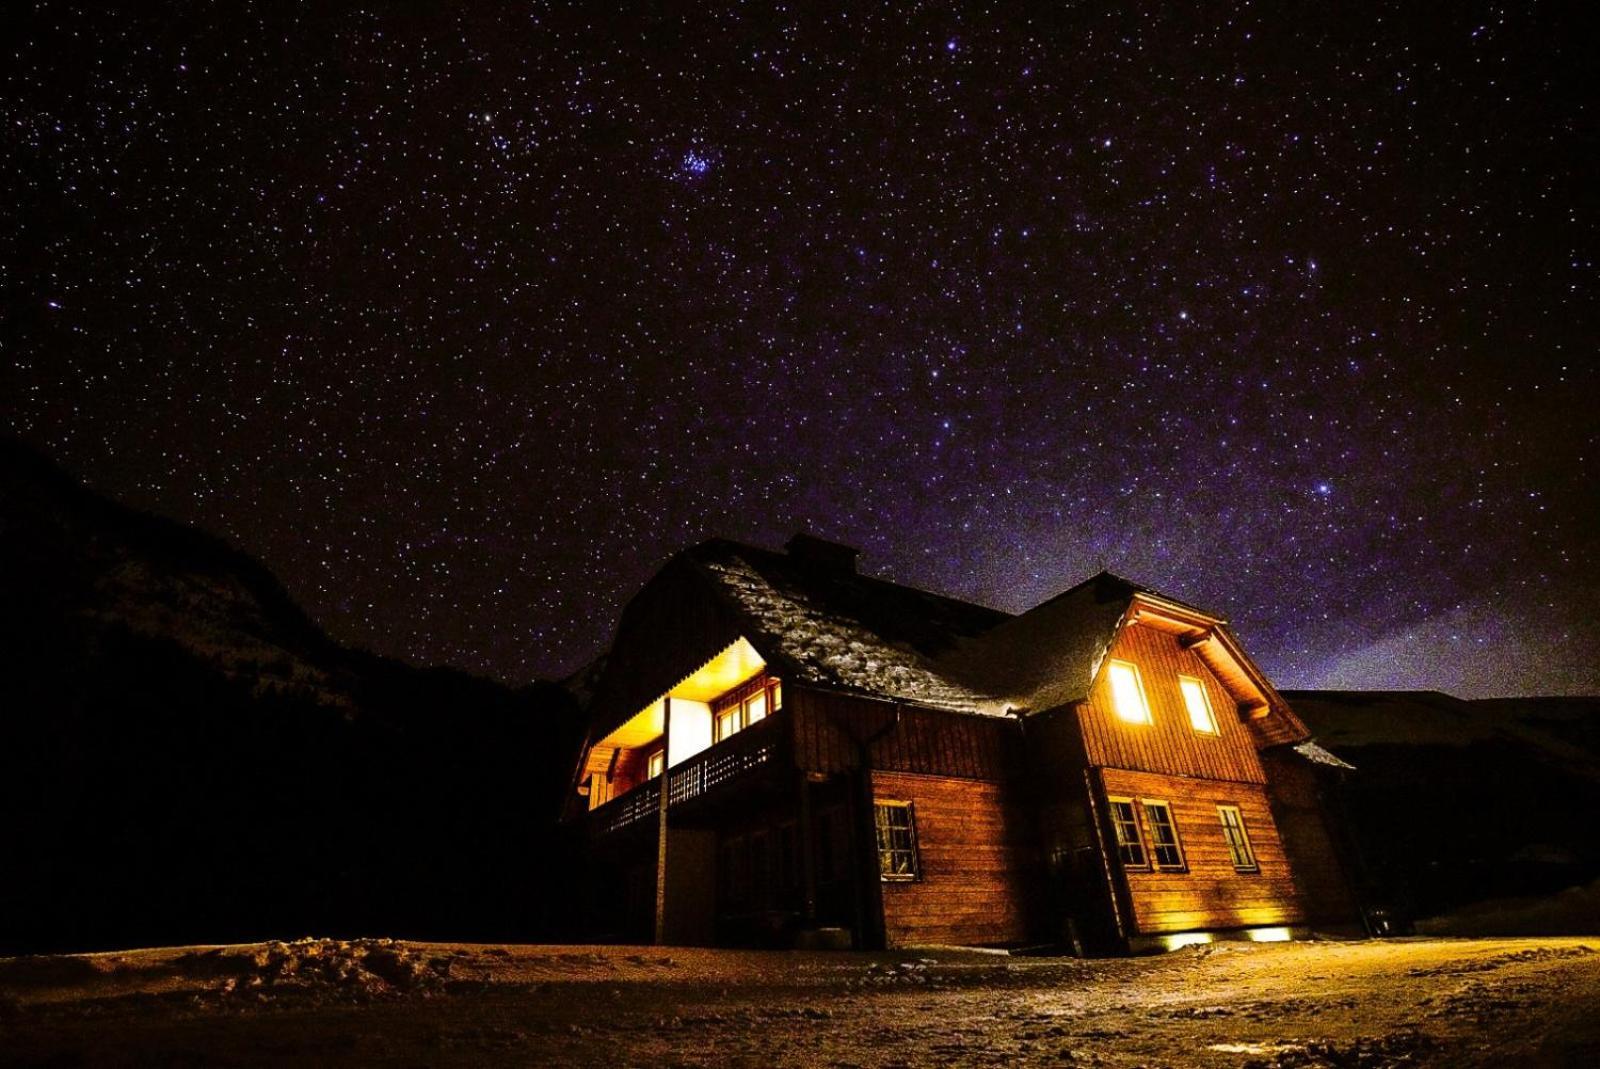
(1414, 1002)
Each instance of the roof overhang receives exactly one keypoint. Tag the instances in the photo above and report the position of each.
(1211, 640)
(731, 666)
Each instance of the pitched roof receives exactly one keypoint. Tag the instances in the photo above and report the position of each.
(818, 621)
(1050, 655)
(824, 623)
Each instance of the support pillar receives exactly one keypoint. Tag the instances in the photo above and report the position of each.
(661, 821)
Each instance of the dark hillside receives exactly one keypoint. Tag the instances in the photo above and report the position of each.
(184, 756)
(1459, 801)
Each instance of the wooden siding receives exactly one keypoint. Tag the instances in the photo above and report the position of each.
(1168, 744)
(828, 729)
(1308, 832)
(974, 855)
(1209, 894)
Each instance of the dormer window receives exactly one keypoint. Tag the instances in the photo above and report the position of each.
(1127, 694)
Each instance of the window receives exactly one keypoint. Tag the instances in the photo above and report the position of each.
(1127, 696)
(656, 764)
(1199, 706)
(745, 705)
(1244, 858)
(1125, 819)
(1163, 836)
(897, 840)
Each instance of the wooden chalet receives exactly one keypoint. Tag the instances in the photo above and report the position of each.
(784, 750)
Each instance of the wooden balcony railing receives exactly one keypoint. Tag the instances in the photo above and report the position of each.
(727, 761)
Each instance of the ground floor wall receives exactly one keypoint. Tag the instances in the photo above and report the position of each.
(1313, 839)
(1208, 892)
(976, 875)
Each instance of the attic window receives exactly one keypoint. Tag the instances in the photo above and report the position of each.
(1194, 699)
(1127, 696)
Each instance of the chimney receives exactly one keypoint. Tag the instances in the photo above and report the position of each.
(821, 554)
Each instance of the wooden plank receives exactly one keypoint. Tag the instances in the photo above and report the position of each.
(1209, 893)
(973, 857)
(1169, 743)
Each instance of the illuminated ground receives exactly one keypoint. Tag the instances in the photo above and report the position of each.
(1413, 1002)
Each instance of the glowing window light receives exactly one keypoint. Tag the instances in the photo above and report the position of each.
(1268, 935)
(1194, 700)
(1126, 694)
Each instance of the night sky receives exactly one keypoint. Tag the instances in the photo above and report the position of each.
(464, 322)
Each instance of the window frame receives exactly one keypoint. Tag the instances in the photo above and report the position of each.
(1112, 667)
(1243, 843)
(1206, 707)
(881, 807)
(733, 707)
(1118, 828)
(1156, 845)
(655, 763)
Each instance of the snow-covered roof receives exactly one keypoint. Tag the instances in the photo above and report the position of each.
(1318, 756)
(833, 627)
(818, 621)
(1050, 655)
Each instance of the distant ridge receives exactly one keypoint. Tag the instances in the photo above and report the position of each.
(186, 757)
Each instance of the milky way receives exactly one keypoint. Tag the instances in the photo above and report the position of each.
(464, 322)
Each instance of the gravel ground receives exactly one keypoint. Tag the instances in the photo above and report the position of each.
(1422, 1002)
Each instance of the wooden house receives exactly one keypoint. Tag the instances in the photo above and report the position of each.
(784, 749)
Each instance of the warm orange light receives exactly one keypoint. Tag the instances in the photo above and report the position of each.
(1127, 697)
(1195, 700)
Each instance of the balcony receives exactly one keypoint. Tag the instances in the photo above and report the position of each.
(707, 772)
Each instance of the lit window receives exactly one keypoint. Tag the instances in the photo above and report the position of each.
(1199, 706)
(1244, 858)
(1163, 836)
(747, 704)
(1126, 693)
(777, 695)
(1125, 819)
(897, 840)
(657, 763)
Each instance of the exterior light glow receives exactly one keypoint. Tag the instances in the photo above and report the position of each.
(1268, 935)
(1185, 939)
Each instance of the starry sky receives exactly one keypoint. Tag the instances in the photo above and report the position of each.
(463, 318)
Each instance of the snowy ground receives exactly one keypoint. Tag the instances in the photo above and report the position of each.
(1435, 1002)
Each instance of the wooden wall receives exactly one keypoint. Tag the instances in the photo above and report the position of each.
(827, 728)
(1309, 839)
(1168, 744)
(1210, 894)
(976, 854)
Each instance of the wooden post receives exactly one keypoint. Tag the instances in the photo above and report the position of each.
(808, 860)
(661, 826)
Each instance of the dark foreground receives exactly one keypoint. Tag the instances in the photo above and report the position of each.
(1422, 1002)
